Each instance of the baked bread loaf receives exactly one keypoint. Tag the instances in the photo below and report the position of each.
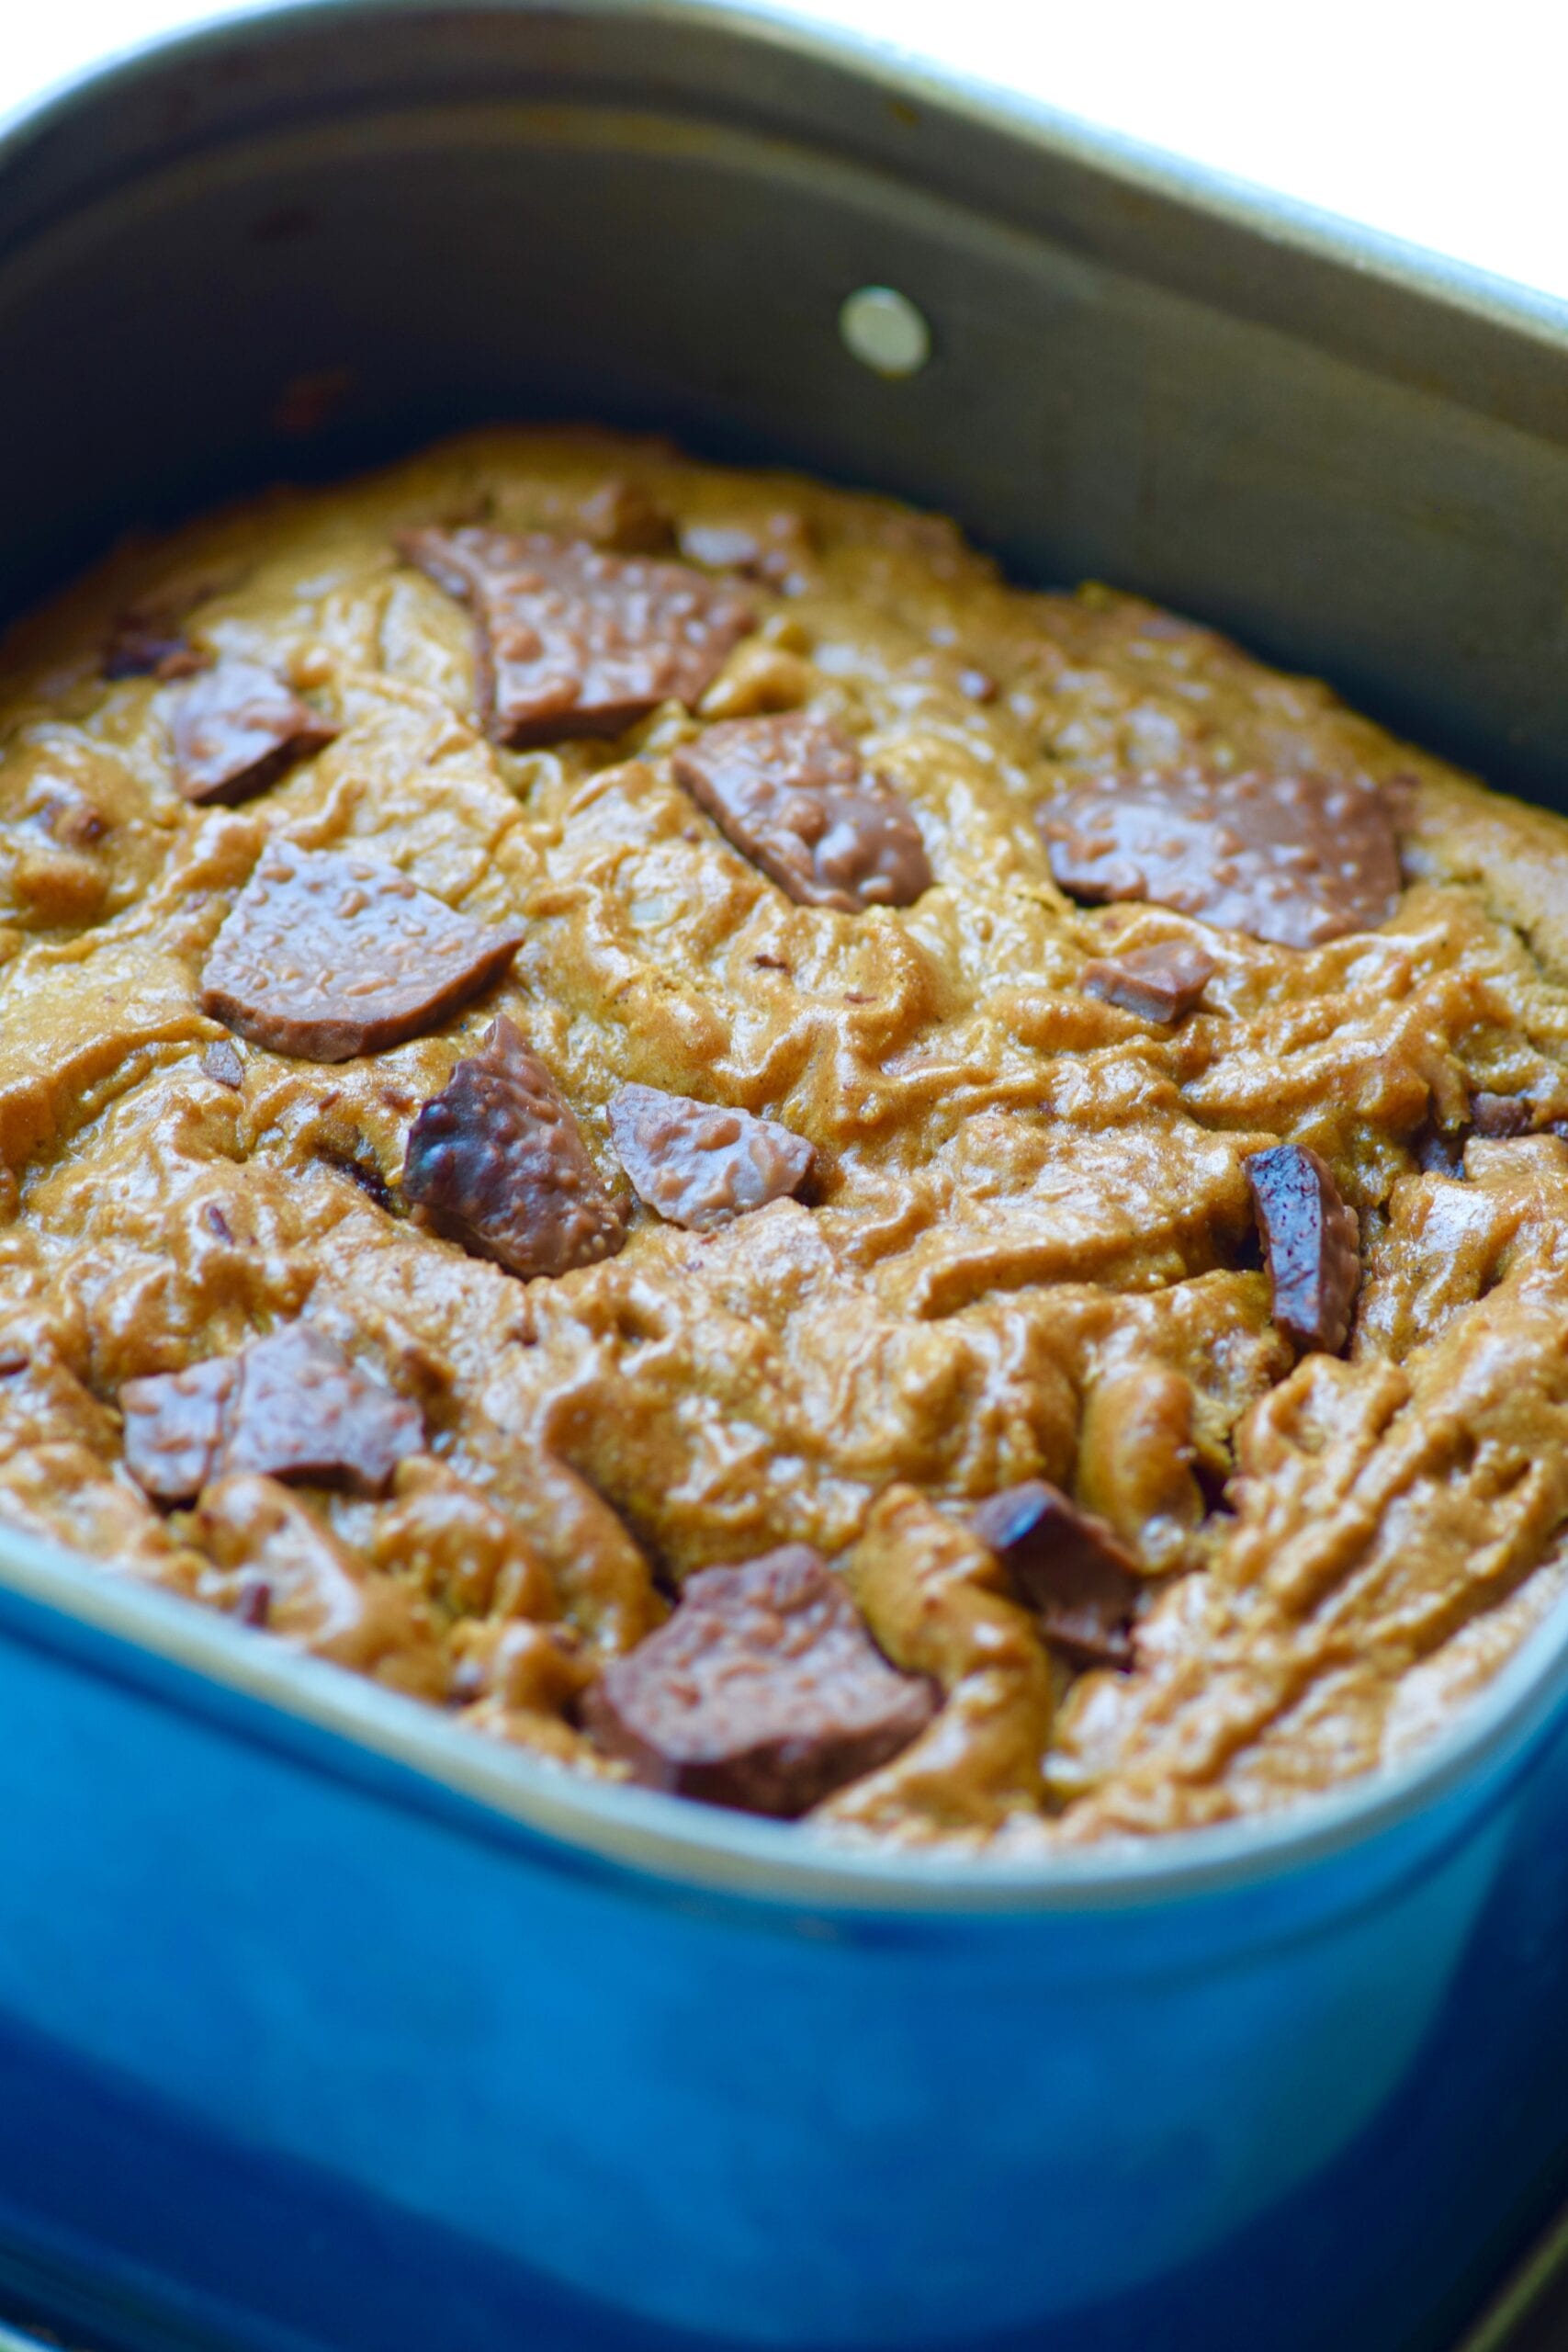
(574, 1024)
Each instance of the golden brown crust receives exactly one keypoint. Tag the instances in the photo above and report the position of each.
(1027, 1251)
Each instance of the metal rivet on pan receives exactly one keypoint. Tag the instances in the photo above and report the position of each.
(883, 331)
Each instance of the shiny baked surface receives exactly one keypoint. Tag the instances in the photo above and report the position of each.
(1027, 1249)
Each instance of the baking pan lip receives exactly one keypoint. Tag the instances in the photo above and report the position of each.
(290, 1699)
(902, 74)
(65, 1601)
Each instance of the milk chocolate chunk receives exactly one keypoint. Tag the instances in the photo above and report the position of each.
(291, 1405)
(699, 1165)
(573, 640)
(303, 1410)
(1157, 983)
(1499, 1116)
(175, 1426)
(325, 954)
(236, 729)
(497, 1159)
(791, 793)
(1310, 1245)
(1290, 857)
(1068, 1565)
(763, 1692)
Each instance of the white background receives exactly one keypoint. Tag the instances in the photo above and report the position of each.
(1444, 123)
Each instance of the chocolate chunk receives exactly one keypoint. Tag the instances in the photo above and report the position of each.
(1068, 1565)
(700, 1165)
(176, 1425)
(144, 646)
(325, 955)
(237, 728)
(791, 793)
(1157, 983)
(764, 1690)
(223, 1065)
(624, 515)
(1293, 858)
(1310, 1245)
(497, 1158)
(571, 640)
(291, 1405)
(1499, 1116)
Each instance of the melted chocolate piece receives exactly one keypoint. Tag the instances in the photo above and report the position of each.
(237, 728)
(143, 646)
(223, 1065)
(1293, 858)
(763, 1692)
(1499, 1116)
(698, 1165)
(1157, 983)
(1068, 1565)
(791, 793)
(1310, 1245)
(325, 955)
(571, 640)
(291, 1405)
(497, 1158)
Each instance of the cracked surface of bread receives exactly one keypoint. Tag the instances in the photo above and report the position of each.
(1027, 1250)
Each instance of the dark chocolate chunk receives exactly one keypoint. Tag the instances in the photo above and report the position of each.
(1068, 1565)
(325, 955)
(1310, 1245)
(699, 1165)
(626, 516)
(1499, 1116)
(571, 640)
(1294, 858)
(143, 645)
(497, 1158)
(222, 1063)
(764, 1691)
(1157, 983)
(237, 728)
(791, 793)
(291, 1405)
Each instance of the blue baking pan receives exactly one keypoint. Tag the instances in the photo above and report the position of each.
(326, 2026)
